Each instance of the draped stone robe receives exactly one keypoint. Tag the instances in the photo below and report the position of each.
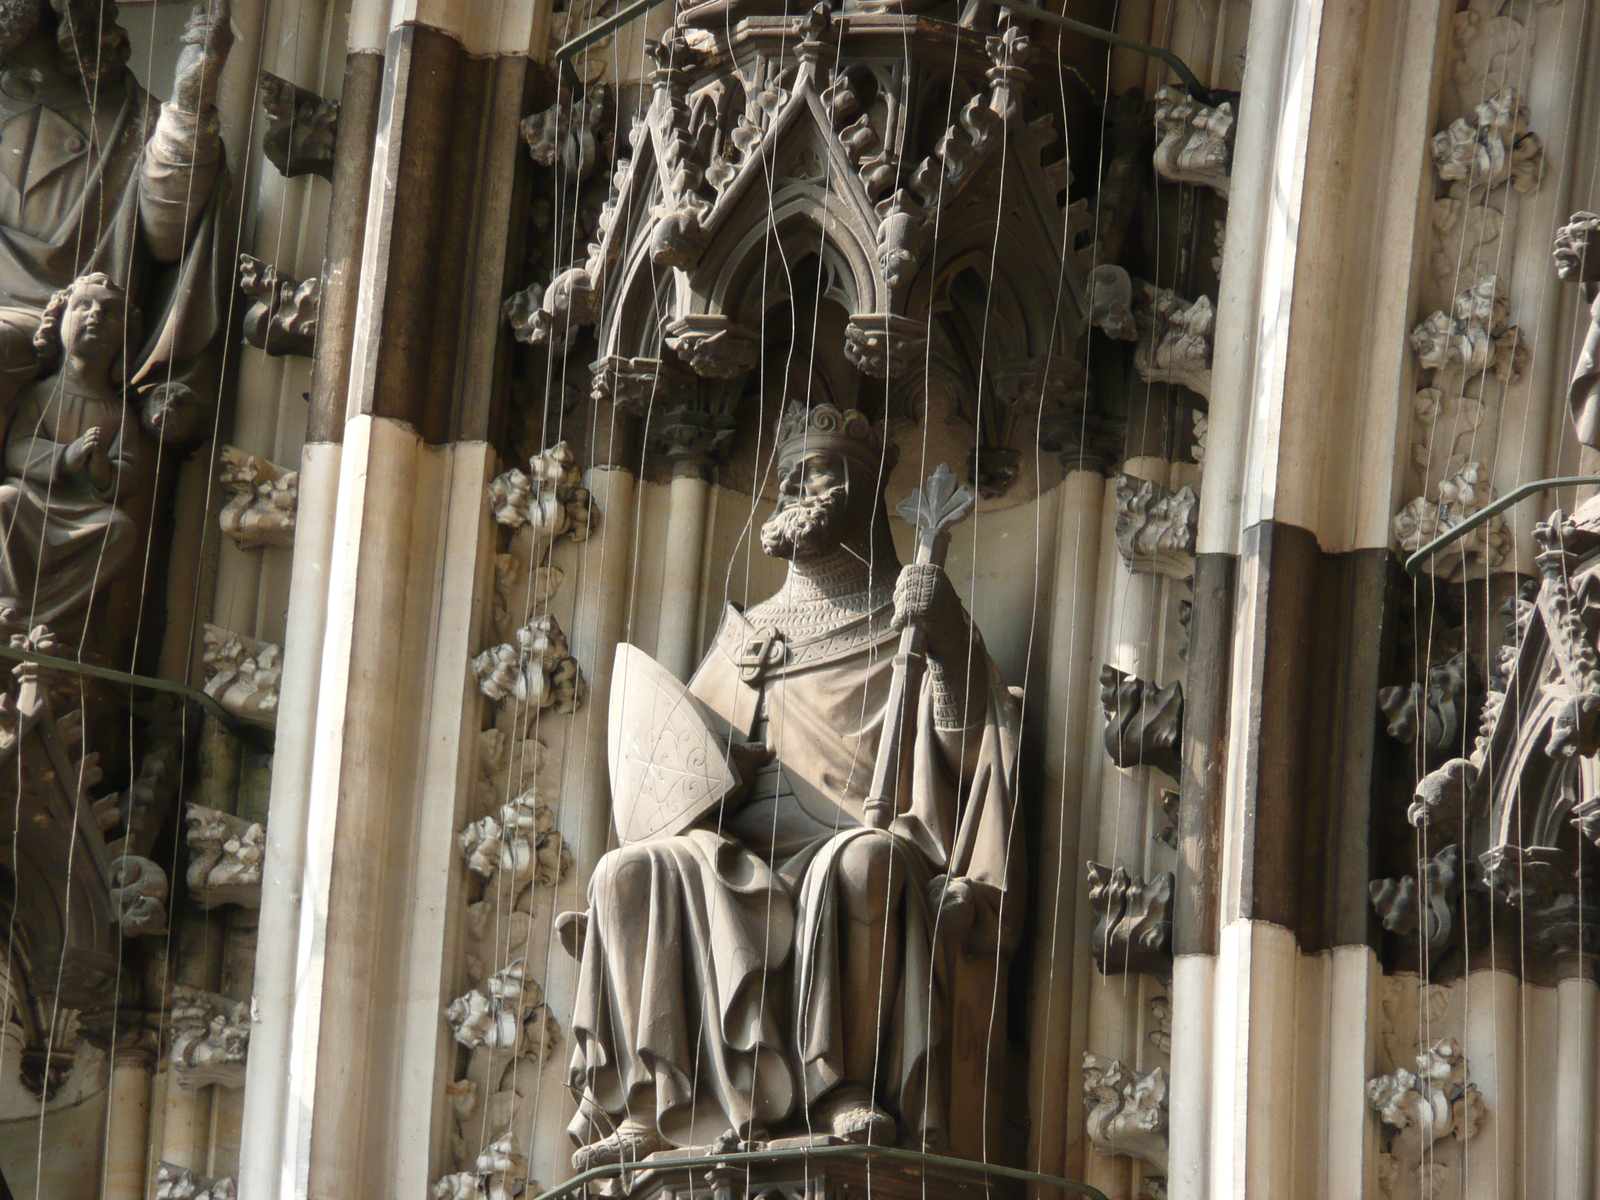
(62, 538)
(711, 966)
(124, 185)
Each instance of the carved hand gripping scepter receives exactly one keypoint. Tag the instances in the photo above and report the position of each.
(931, 512)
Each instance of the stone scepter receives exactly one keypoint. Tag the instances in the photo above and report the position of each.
(930, 513)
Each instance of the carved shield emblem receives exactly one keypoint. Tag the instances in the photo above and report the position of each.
(668, 766)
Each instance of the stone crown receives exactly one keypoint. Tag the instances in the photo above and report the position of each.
(827, 427)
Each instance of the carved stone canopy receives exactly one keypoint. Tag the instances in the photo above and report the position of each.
(805, 140)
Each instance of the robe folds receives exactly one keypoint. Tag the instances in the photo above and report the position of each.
(132, 188)
(61, 537)
(710, 986)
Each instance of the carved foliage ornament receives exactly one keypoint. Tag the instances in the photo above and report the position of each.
(282, 317)
(1420, 1108)
(500, 1173)
(1144, 721)
(1425, 901)
(265, 497)
(1196, 140)
(210, 1038)
(1133, 929)
(1156, 528)
(1495, 147)
(225, 854)
(180, 1183)
(507, 1016)
(1126, 1112)
(242, 675)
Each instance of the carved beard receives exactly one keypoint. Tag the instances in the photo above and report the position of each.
(805, 528)
(18, 20)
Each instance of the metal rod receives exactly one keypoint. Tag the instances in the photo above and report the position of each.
(595, 32)
(1456, 532)
(193, 694)
(940, 1162)
(1181, 69)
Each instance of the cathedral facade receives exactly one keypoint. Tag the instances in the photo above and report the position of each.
(742, 600)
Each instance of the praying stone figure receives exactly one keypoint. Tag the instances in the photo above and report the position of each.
(97, 177)
(71, 456)
(786, 965)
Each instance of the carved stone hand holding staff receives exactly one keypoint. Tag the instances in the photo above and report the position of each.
(931, 512)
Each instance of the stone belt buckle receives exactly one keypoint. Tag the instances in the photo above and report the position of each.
(760, 654)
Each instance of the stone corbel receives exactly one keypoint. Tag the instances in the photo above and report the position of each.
(282, 317)
(225, 854)
(1558, 910)
(210, 1038)
(180, 1183)
(885, 344)
(1433, 1103)
(242, 675)
(1156, 528)
(713, 345)
(693, 437)
(499, 1173)
(1111, 302)
(1133, 927)
(1195, 140)
(302, 128)
(261, 511)
(1403, 905)
(1494, 148)
(1174, 338)
(1126, 1112)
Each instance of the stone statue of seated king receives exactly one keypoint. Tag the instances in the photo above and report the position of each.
(71, 455)
(789, 965)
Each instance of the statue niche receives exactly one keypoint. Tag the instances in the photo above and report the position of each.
(70, 457)
(797, 960)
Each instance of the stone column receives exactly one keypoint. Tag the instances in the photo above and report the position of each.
(393, 755)
(1575, 1084)
(680, 583)
(128, 1124)
(261, 1146)
(1055, 1105)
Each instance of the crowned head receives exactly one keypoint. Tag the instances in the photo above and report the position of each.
(832, 466)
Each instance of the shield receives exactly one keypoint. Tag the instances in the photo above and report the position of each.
(669, 768)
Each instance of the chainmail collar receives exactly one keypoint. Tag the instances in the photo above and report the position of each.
(825, 593)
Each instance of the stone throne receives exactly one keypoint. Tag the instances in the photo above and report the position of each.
(885, 178)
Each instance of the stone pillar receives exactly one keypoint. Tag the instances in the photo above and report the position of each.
(1055, 1105)
(128, 1124)
(676, 640)
(261, 1147)
(1575, 1086)
(394, 750)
